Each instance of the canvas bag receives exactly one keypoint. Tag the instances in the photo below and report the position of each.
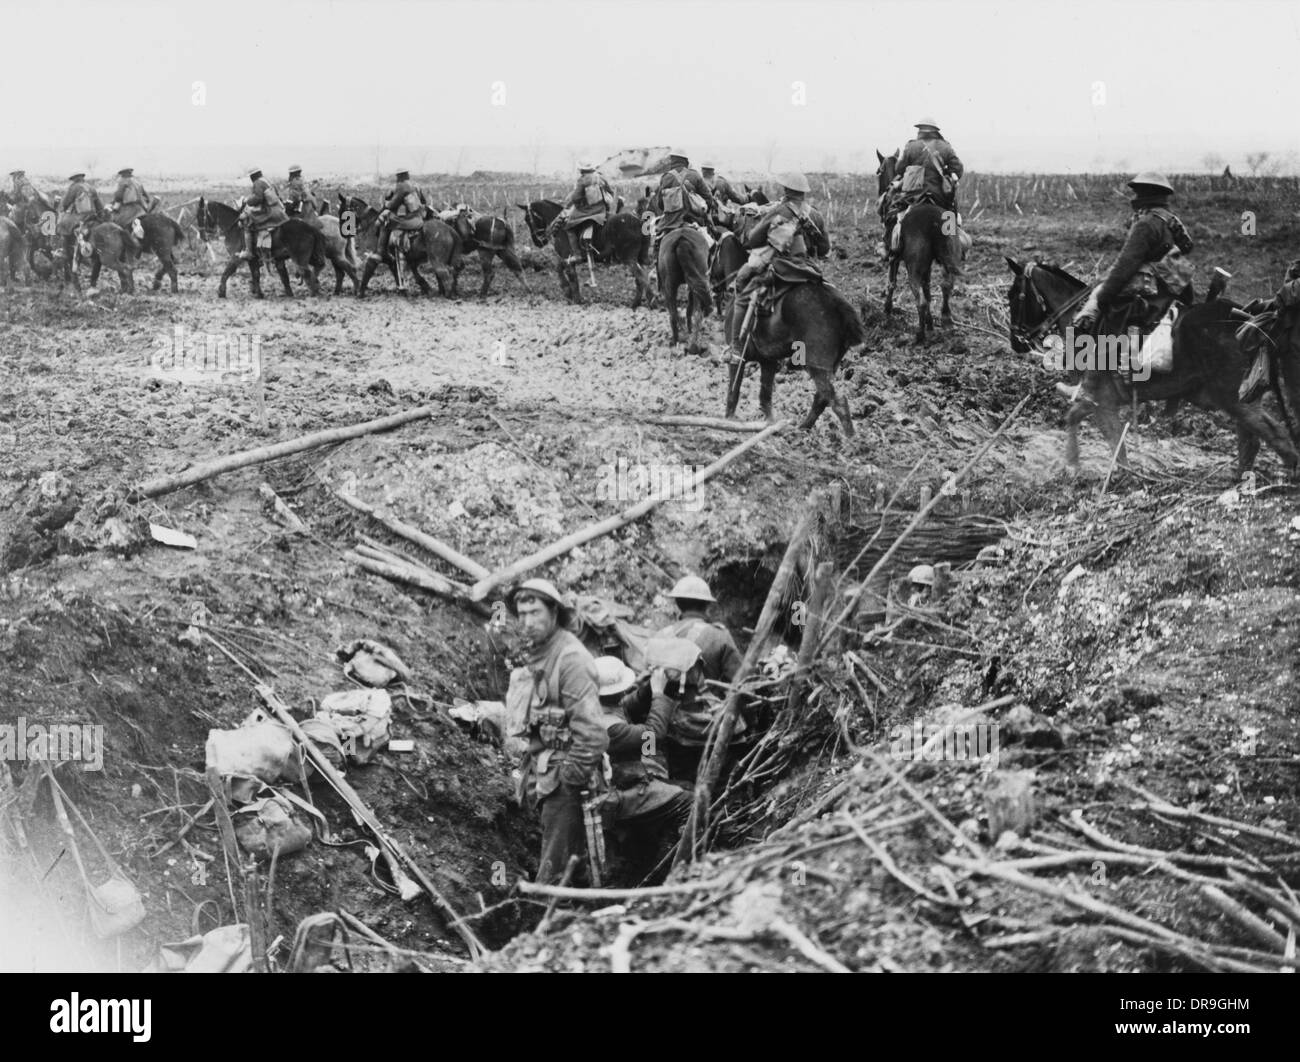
(595, 195)
(1157, 350)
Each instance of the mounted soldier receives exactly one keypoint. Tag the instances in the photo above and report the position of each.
(263, 211)
(588, 206)
(1150, 272)
(557, 693)
(683, 197)
(79, 209)
(928, 170)
(130, 200)
(296, 195)
(723, 193)
(786, 231)
(404, 210)
(25, 193)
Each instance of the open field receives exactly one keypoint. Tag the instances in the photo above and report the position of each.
(1138, 629)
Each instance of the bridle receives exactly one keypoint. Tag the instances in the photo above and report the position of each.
(1050, 320)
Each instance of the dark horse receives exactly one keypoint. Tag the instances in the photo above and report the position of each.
(1208, 366)
(38, 234)
(684, 259)
(729, 253)
(435, 243)
(294, 239)
(624, 240)
(492, 238)
(111, 248)
(929, 235)
(815, 324)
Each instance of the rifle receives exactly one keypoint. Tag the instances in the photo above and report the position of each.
(595, 828)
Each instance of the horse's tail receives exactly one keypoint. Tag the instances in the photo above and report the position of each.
(317, 258)
(178, 232)
(852, 331)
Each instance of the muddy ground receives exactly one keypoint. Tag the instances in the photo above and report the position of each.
(1139, 628)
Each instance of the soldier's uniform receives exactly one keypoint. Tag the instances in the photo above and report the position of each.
(1141, 271)
(648, 810)
(723, 193)
(403, 210)
(787, 229)
(130, 200)
(263, 210)
(672, 198)
(295, 191)
(79, 207)
(938, 160)
(718, 652)
(589, 205)
(24, 192)
(566, 740)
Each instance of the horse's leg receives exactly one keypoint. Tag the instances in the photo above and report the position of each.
(1261, 426)
(229, 272)
(1108, 420)
(96, 263)
(1247, 449)
(766, 387)
(367, 271)
(282, 267)
(512, 263)
(919, 297)
(413, 268)
(671, 297)
(827, 396)
(255, 278)
(894, 263)
(634, 272)
(946, 285)
(485, 264)
(172, 275)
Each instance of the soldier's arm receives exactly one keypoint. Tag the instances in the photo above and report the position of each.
(394, 200)
(729, 195)
(954, 163)
(702, 187)
(758, 234)
(1136, 251)
(730, 657)
(577, 674)
(69, 197)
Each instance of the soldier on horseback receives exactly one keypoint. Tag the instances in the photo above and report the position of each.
(295, 192)
(928, 171)
(78, 210)
(130, 200)
(403, 209)
(722, 191)
(588, 206)
(786, 231)
(1149, 272)
(25, 192)
(263, 210)
(683, 197)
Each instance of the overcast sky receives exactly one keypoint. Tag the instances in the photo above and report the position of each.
(487, 85)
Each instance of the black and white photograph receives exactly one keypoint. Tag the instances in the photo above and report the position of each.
(651, 486)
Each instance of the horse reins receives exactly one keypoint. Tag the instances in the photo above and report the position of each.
(1049, 322)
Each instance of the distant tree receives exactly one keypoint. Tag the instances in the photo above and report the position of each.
(1255, 160)
(1212, 161)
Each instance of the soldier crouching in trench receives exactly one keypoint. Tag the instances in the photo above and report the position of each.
(566, 737)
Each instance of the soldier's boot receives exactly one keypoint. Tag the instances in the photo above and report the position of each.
(250, 244)
(381, 241)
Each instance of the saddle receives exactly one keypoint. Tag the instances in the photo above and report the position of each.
(779, 279)
(399, 240)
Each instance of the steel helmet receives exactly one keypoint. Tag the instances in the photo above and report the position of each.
(255, 173)
(707, 166)
(127, 172)
(691, 588)
(677, 654)
(586, 165)
(77, 177)
(294, 169)
(794, 182)
(17, 173)
(1151, 179)
(543, 588)
(613, 676)
(926, 123)
(676, 154)
(922, 575)
(403, 175)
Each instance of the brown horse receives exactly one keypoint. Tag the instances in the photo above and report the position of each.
(112, 248)
(814, 325)
(294, 240)
(435, 243)
(684, 259)
(929, 234)
(623, 239)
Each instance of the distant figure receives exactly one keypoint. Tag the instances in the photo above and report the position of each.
(1227, 172)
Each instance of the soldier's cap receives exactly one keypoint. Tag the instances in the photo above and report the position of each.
(927, 123)
(76, 176)
(126, 172)
(544, 589)
(1151, 179)
(794, 182)
(707, 166)
(255, 173)
(678, 654)
(691, 588)
(403, 175)
(613, 676)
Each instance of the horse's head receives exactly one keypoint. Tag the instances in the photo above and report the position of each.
(886, 171)
(1040, 297)
(756, 195)
(536, 221)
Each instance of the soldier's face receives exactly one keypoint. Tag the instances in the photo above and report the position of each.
(536, 618)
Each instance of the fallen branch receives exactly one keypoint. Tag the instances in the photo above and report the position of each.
(423, 578)
(716, 423)
(484, 586)
(413, 534)
(1161, 805)
(159, 485)
(1251, 923)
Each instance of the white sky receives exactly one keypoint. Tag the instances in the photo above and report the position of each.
(349, 84)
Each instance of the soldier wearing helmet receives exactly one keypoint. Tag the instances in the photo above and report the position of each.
(649, 811)
(262, 210)
(723, 193)
(295, 192)
(787, 229)
(1142, 270)
(25, 192)
(404, 209)
(587, 207)
(683, 197)
(557, 691)
(939, 164)
(130, 200)
(718, 652)
(78, 210)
